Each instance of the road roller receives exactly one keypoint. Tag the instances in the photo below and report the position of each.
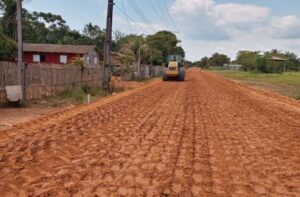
(174, 69)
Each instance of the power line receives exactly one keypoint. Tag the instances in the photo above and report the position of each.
(126, 15)
(169, 16)
(159, 11)
(162, 12)
(135, 7)
(157, 14)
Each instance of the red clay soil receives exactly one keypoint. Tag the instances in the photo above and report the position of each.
(12, 116)
(203, 137)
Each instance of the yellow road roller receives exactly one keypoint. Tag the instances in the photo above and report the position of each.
(174, 70)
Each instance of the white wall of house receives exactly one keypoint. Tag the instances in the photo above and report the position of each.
(36, 58)
(63, 59)
(91, 58)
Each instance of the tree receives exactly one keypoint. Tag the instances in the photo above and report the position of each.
(48, 28)
(165, 42)
(203, 63)
(133, 46)
(254, 61)
(261, 64)
(180, 51)
(8, 47)
(8, 20)
(92, 31)
(293, 61)
(39, 27)
(248, 59)
(219, 60)
(93, 34)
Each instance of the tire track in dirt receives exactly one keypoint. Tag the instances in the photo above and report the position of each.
(245, 129)
(203, 137)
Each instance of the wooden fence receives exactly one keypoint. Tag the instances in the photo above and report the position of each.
(146, 71)
(45, 80)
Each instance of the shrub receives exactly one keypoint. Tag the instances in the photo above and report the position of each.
(76, 94)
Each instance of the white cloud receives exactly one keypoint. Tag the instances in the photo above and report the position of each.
(190, 8)
(222, 14)
(207, 27)
(231, 13)
(204, 19)
(286, 27)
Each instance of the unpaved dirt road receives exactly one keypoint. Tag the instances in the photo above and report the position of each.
(203, 137)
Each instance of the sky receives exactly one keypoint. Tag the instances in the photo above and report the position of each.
(203, 26)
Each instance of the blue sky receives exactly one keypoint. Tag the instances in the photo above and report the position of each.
(204, 26)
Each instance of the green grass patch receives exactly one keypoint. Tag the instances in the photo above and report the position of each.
(140, 79)
(94, 91)
(73, 96)
(215, 68)
(288, 78)
(286, 83)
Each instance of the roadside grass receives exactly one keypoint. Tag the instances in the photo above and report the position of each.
(141, 80)
(287, 83)
(71, 97)
(215, 68)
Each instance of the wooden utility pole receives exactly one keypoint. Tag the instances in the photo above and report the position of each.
(21, 68)
(107, 48)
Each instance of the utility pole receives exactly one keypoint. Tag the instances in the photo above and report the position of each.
(21, 68)
(107, 48)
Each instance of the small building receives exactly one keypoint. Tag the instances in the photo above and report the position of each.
(59, 54)
(233, 66)
(279, 60)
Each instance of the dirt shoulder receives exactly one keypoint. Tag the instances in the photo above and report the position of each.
(38, 108)
(13, 116)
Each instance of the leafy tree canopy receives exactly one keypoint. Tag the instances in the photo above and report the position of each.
(219, 60)
(8, 47)
(40, 27)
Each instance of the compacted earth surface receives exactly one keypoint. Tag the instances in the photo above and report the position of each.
(203, 137)
(12, 116)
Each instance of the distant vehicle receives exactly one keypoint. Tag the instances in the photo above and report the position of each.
(174, 69)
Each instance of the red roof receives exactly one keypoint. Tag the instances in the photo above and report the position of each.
(58, 48)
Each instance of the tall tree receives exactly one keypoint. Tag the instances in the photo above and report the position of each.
(166, 42)
(203, 63)
(8, 20)
(248, 59)
(219, 60)
(8, 47)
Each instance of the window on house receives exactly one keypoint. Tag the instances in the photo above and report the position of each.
(88, 60)
(42, 58)
(63, 59)
(95, 60)
(36, 58)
